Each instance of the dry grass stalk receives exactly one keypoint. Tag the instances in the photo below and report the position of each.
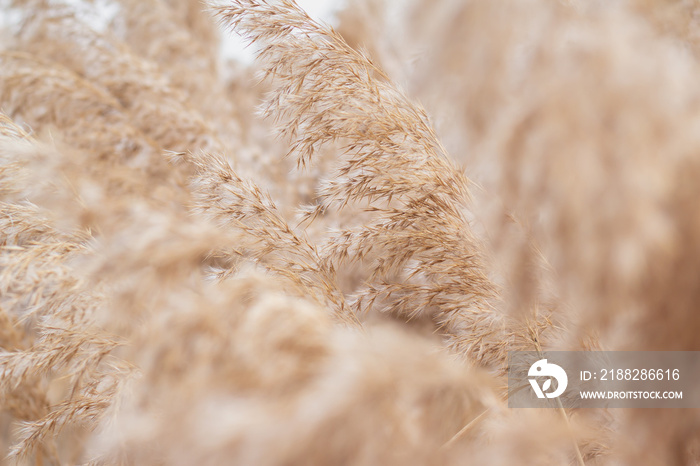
(53, 31)
(184, 46)
(48, 340)
(230, 201)
(427, 260)
(145, 320)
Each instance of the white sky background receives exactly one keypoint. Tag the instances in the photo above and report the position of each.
(232, 47)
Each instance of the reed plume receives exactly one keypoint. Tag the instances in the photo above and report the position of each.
(174, 290)
(424, 257)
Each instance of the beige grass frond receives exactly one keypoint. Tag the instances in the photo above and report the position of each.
(325, 91)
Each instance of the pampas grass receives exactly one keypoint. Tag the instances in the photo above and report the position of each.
(178, 288)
